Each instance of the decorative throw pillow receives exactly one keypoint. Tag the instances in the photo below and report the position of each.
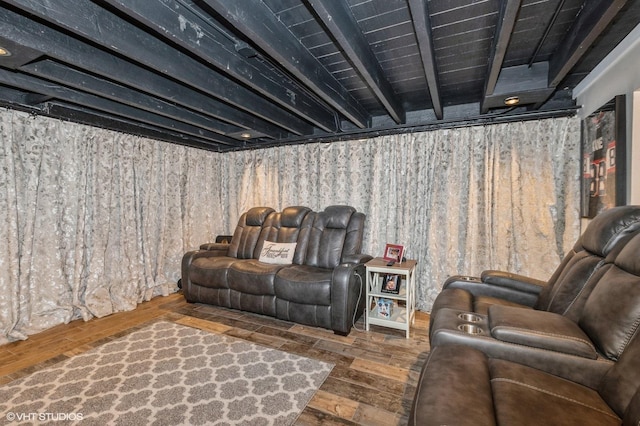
(277, 253)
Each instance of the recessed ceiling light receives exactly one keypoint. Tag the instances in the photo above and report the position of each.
(512, 100)
(4, 52)
(245, 135)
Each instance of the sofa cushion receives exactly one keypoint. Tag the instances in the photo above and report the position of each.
(304, 284)
(248, 232)
(257, 215)
(292, 225)
(611, 315)
(338, 217)
(604, 234)
(621, 383)
(609, 227)
(460, 385)
(572, 284)
(526, 396)
(292, 217)
(539, 329)
(454, 389)
(333, 235)
(253, 277)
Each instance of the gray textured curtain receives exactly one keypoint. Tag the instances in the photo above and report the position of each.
(94, 221)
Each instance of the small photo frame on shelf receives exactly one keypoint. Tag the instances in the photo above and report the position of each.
(391, 284)
(385, 308)
(393, 252)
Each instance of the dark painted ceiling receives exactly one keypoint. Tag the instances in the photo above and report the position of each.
(240, 74)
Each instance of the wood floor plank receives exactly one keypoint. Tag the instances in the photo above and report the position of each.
(333, 404)
(383, 370)
(373, 416)
(372, 383)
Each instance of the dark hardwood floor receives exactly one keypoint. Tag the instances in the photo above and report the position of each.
(372, 383)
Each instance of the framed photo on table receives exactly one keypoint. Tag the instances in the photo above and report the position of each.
(393, 252)
(391, 284)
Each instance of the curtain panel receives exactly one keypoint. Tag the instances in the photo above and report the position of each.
(95, 221)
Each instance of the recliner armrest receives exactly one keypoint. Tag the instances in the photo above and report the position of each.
(539, 329)
(220, 249)
(356, 258)
(477, 287)
(580, 369)
(513, 281)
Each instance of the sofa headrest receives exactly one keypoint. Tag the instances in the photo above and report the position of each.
(292, 217)
(257, 215)
(629, 257)
(609, 227)
(338, 216)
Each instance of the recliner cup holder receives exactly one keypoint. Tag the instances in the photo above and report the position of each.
(469, 317)
(470, 328)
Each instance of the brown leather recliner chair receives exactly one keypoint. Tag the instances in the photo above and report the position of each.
(580, 349)
(529, 367)
(563, 292)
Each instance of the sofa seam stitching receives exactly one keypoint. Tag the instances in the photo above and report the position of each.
(628, 336)
(502, 379)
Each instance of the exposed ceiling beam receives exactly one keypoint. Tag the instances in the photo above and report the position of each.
(88, 20)
(507, 20)
(100, 119)
(14, 96)
(30, 35)
(189, 30)
(592, 20)
(342, 25)
(64, 75)
(43, 87)
(422, 26)
(257, 22)
(528, 83)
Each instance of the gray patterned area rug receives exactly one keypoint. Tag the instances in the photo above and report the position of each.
(167, 374)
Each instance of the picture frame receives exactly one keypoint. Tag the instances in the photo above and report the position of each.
(393, 252)
(603, 145)
(391, 284)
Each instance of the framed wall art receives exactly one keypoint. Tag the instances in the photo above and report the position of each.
(604, 158)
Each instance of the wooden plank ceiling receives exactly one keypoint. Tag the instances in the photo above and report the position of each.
(228, 74)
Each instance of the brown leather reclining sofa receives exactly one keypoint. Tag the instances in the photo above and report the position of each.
(322, 286)
(507, 349)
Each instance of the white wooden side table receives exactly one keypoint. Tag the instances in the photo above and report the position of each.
(404, 303)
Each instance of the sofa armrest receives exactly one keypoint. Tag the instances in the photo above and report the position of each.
(219, 249)
(347, 296)
(539, 329)
(187, 260)
(356, 258)
(514, 281)
(502, 285)
(454, 389)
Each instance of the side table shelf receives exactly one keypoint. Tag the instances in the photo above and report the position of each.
(404, 308)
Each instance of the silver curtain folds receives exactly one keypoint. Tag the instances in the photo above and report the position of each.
(94, 221)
